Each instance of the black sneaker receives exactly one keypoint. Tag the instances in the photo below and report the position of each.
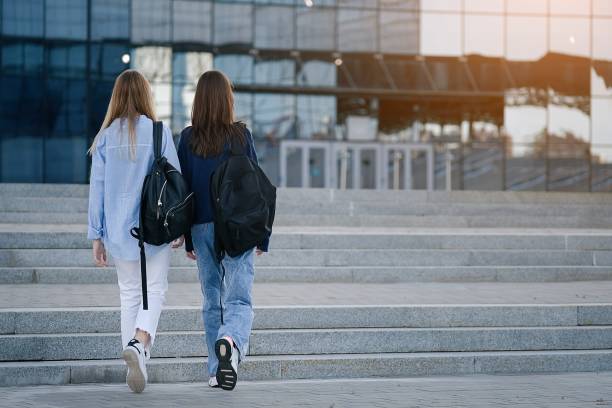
(227, 371)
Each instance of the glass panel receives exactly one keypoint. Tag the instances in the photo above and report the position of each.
(357, 30)
(110, 19)
(570, 36)
(362, 71)
(67, 61)
(316, 73)
(445, 42)
(243, 108)
(155, 64)
(294, 167)
(569, 167)
(407, 73)
(482, 164)
(66, 19)
(357, 3)
(527, 6)
(484, 35)
(274, 116)
(602, 121)
(525, 129)
(275, 72)
(448, 74)
(601, 168)
(571, 7)
(192, 21)
(488, 6)
(316, 116)
(23, 18)
(316, 28)
(233, 23)
(441, 5)
(268, 32)
(99, 91)
(602, 38)
(21, 141)
(527, 38)
(186, 69)
(106, 60)
(151, 20)
(602, 7)
(65, 160)
(601, 78)
(22, 58)
(399, 4)
(317, 167)
(239, 68)
(399, 32)
(489, 74)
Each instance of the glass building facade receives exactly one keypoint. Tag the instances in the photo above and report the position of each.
(511, 94)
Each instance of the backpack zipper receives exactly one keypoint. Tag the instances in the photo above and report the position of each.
(159, 202)
(175, 207)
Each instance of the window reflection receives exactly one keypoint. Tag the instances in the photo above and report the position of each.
(105, 60)
(601, 168)
(399, 32)
(233, 23)
(602, 38)
(67, 61)
(274, 117)
(186, 69)
(23, 18)
(526, 38)
(527, 6)
(110, 19)
(487, 6)
(315, 28)
(192, 21)
(602, 122)
(525, 127)
(239, 68)
(601, 78)
(399, 4)
(571, 7)
(602, 7)
(151, 20)
(66, 19)
(275, 71)
(316, 116)
(22, 58)
(155, 64)
(491, 44)
(357, 30)
(441, 5)
(434, 41)
(570, 36)
(316, 73)
(268, 32)
(243, 108)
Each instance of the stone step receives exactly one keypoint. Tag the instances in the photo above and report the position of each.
(343, 257)
(407, 221)
(106, 319)
(314, 366)
(291, 206)
(74, 237)
(95, 346)
(364, 274)
(329, 195)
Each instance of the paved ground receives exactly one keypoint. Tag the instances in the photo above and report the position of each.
(188, 294)
(540, 391)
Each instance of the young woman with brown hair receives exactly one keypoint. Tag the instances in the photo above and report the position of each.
(203, 147)
(122, 155)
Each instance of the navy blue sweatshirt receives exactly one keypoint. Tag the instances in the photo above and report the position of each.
(197, 171)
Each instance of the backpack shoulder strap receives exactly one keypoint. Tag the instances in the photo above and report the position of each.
(157, 139)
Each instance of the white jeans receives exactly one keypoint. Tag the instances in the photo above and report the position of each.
(132, 315)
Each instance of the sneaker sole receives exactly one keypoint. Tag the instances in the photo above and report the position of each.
(135, 377)
(226, 376)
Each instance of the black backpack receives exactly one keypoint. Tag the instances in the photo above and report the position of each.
(244, 202)
(166, 207)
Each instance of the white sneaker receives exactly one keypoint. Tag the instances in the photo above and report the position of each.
(134, 356)
(227, 371)
(212, 382)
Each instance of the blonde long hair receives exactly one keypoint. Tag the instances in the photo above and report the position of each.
(131, 98)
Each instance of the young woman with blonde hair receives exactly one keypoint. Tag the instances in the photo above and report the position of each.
(122, 155)
(227, 311)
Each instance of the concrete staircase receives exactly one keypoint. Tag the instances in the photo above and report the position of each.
(376, 242)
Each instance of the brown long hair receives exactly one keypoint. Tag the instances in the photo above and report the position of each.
(131, 98)
(212, 116)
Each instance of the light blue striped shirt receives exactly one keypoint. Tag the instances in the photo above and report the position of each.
(115, 185)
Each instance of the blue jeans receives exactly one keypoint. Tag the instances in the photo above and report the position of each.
(235, 291)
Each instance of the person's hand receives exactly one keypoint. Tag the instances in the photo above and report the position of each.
(178, 242)
(191, 255)
(99, 253)
(258, 252)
